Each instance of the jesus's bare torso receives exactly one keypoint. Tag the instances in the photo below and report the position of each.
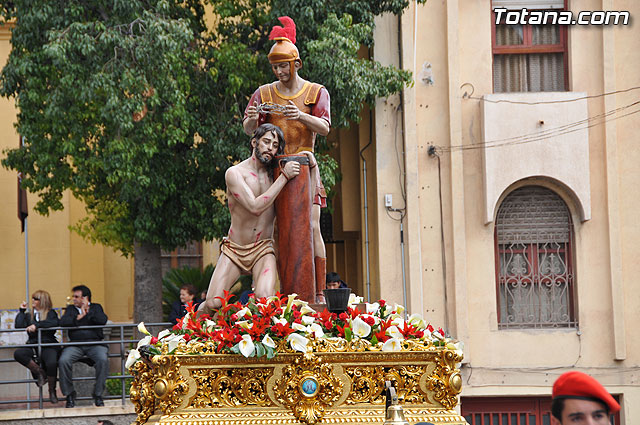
(248, 227)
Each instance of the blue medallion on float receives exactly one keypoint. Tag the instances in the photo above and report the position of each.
(309, 386)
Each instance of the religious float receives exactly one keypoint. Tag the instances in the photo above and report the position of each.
(279, 361)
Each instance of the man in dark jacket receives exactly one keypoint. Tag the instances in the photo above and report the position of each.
(83, 313)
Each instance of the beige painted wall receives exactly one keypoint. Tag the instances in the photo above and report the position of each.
(455, 38)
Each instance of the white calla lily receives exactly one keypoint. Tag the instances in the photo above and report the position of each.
(316, 329)
(298, 342)
(306, 310)
(417, 321)
(247, 347)
(173, 342)
(290, 300)
(144, 341)
(210, 324)
(244, 324)
(300, 303)
(143, 329)
(394, 333)
(392, 344)
(360, 328)
(185, 320)
(299, 327)
(272, 299)
(437, 334)
(398, 321)
(307, 320)
(373, 308)
(164, 333)
(354, 299)
(399, 309)
(268, 341)
(243, 312)
(132, 358)
(280, 320)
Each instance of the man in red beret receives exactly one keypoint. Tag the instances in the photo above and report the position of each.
(578, 399)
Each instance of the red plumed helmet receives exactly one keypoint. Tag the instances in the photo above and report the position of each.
(284, 50)
(288, 31)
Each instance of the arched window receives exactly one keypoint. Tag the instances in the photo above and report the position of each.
(534, 261)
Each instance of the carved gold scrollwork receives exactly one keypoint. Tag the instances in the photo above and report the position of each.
(366, 385)
(406, 380)
(307, 387)
(230, 387)
(445, 381)
(142, 394)
(340, 345)
(293, 388)
(169, 386)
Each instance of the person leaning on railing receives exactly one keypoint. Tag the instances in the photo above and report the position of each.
(83, 313)
(43, 317)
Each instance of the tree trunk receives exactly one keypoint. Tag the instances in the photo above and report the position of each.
(147, 305)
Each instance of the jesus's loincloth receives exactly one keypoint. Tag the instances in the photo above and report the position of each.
(246, 256)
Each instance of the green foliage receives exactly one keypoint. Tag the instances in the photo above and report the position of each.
(135, 106)
(334, 58)
(114, 386)
(174, 279)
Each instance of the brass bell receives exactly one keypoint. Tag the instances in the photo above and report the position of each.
(394, 414)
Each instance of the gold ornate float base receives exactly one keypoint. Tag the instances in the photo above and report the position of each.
(339, 416)
(310, 389)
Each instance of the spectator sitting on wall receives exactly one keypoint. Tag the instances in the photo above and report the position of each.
(178, 309)
(83, 313)
(334, 281)
(43, 317)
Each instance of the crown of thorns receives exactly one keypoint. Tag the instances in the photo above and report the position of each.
(271, 108)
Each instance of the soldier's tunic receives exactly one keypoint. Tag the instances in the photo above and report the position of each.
(312, 99)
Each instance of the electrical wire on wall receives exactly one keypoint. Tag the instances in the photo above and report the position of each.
(400, 159)
(401, 172)
(431, 151)
(542, 102)
(545, 135)
(366, 205)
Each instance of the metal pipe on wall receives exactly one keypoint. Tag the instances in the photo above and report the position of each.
(366, 206)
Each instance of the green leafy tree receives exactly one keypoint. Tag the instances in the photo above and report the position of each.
(135, 107)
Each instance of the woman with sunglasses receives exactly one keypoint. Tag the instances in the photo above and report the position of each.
(42, 316)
